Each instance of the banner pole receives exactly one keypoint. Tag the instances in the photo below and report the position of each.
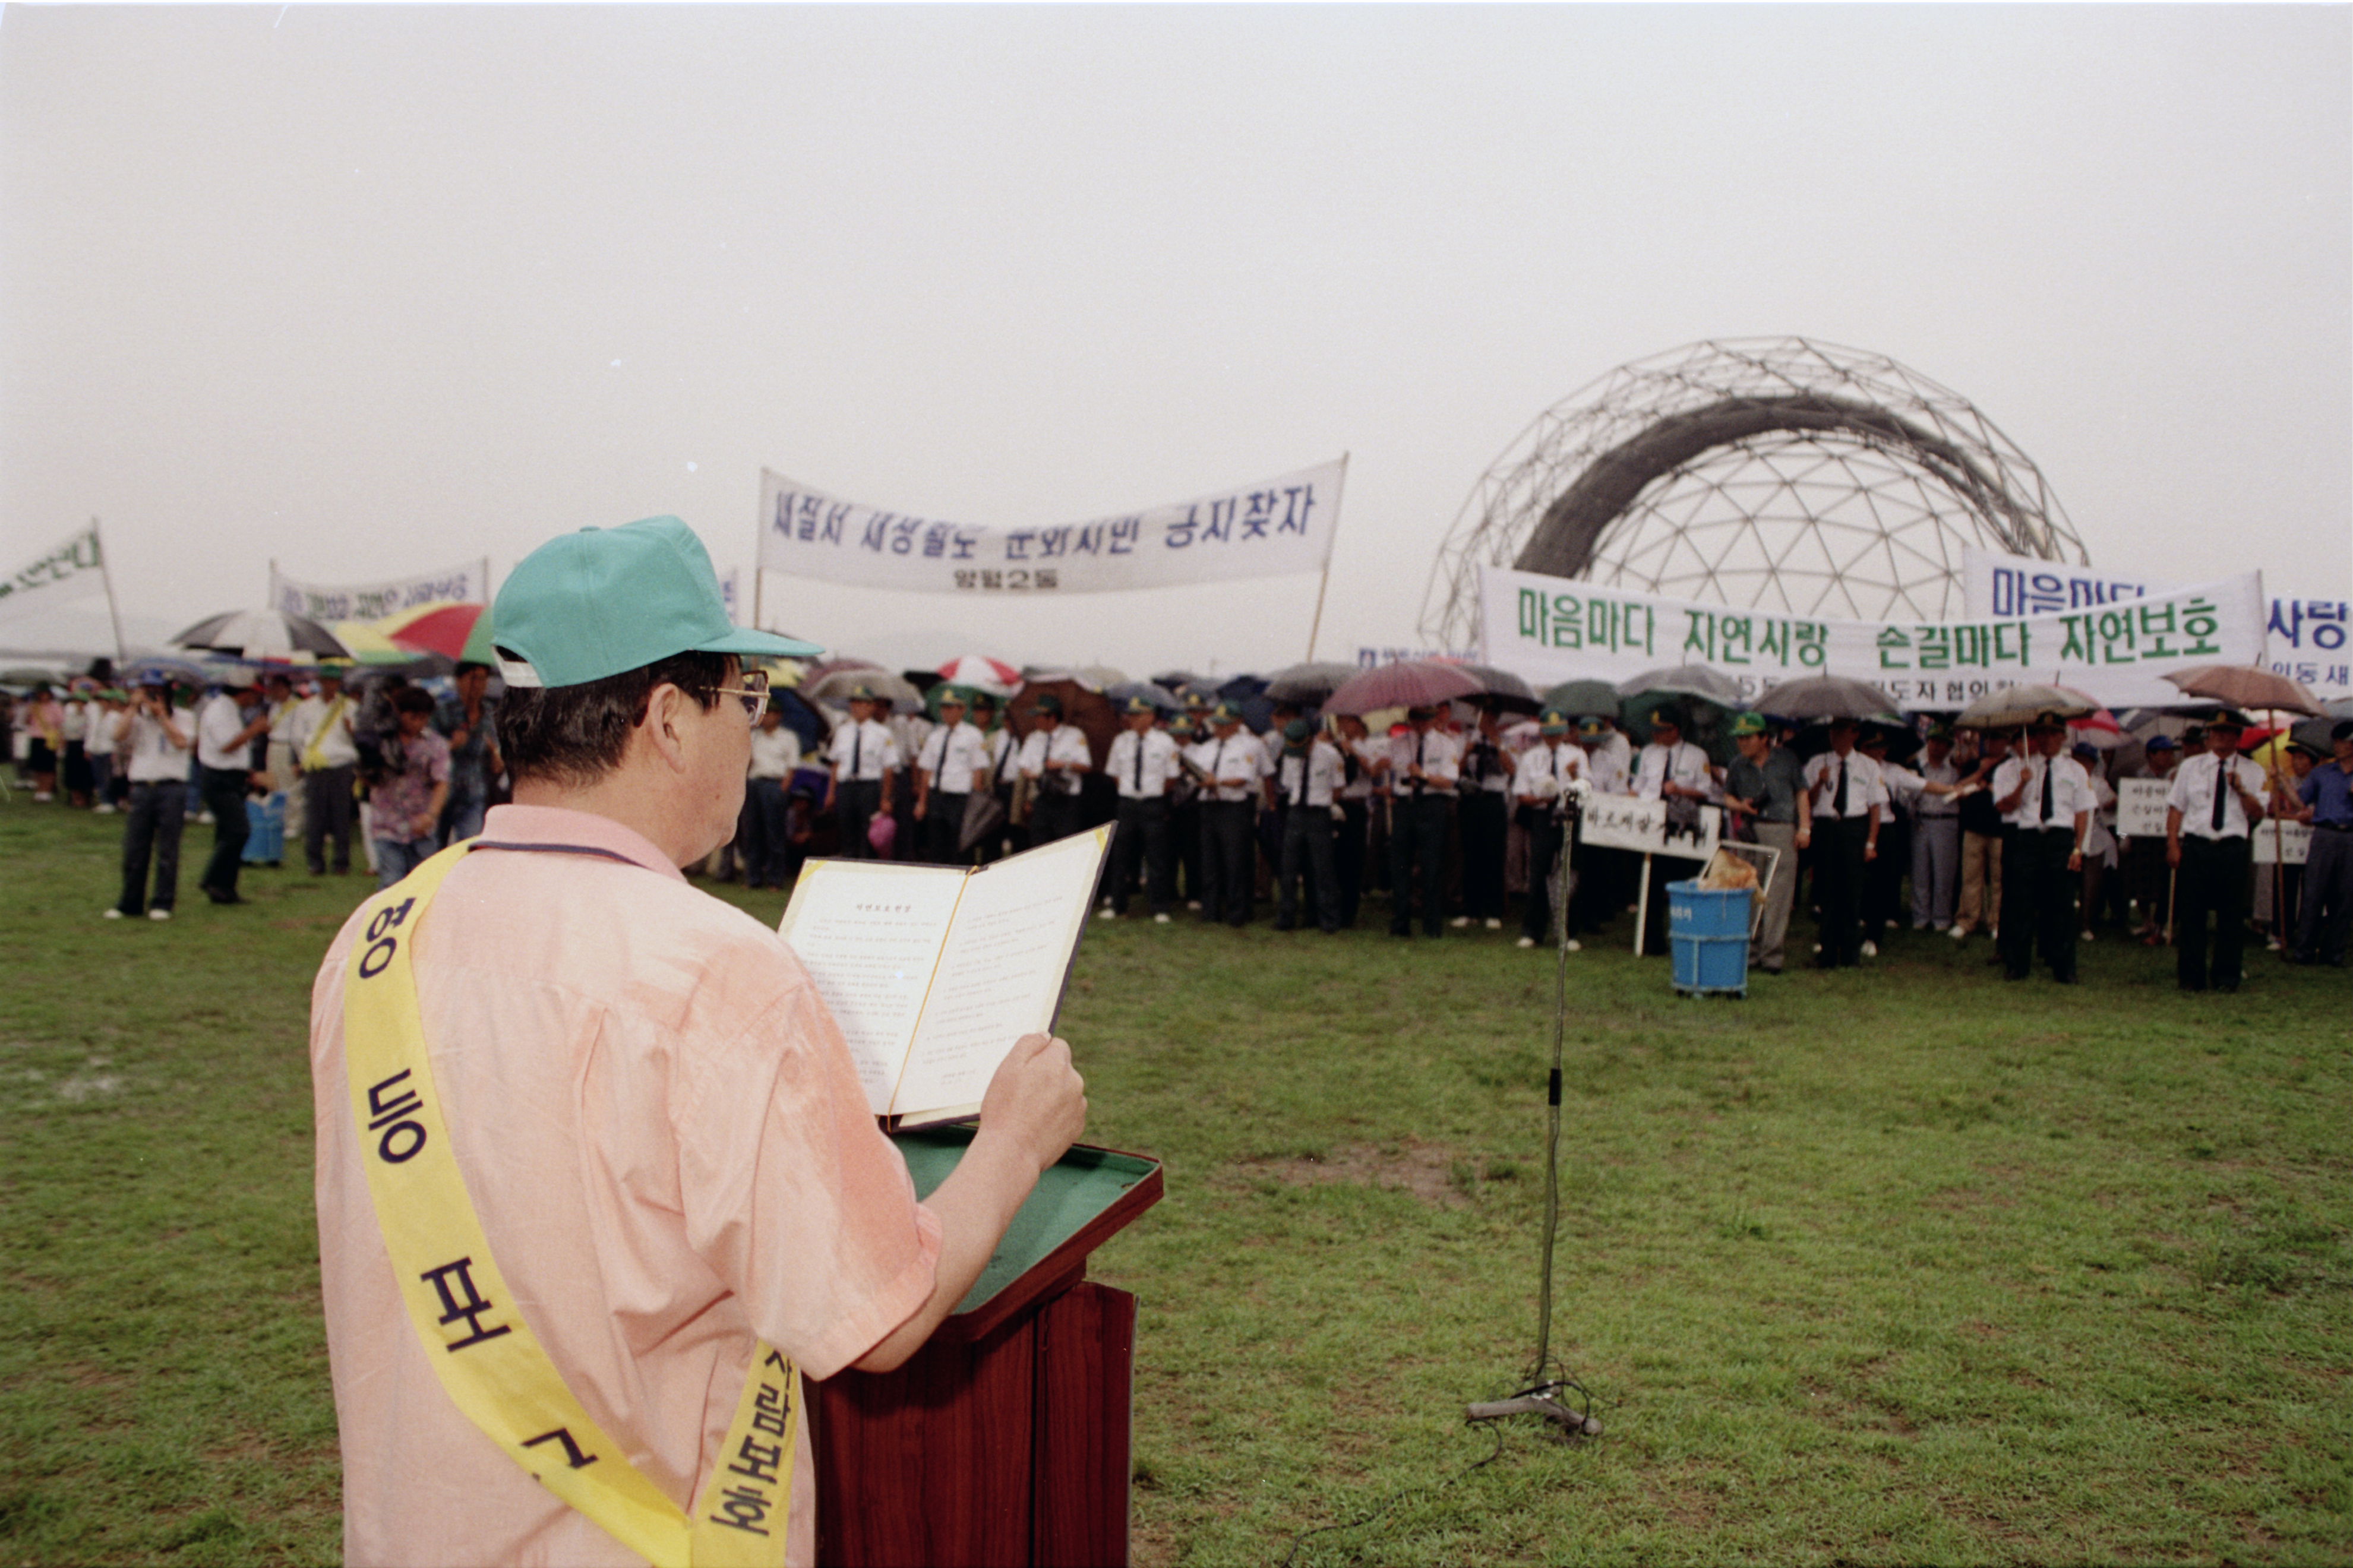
(759, 533)
(106, 575)
(1324, 580)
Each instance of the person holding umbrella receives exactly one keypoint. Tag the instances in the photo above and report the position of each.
(1848, 805)
(1548, 773)
(2326, 796)
(1424, 765)
(1143, 761)
(2047, 799)
(154, 740)
(2210, 819)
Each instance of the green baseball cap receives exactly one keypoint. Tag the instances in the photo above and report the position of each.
(598, 603)
(1553, 722)
(1749, 724)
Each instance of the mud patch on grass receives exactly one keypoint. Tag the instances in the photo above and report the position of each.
(1425, 1170)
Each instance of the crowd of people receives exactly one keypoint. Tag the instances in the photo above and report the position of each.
(1451, 815)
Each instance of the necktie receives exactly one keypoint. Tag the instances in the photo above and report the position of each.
(1139, 767)
(1217, 770)
(2050, 765)
(1838, 801)
(857, 749)
(2222, 790)
(1420, 739)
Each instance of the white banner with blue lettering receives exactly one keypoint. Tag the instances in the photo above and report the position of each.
(2304, 636)
(1551, 629)
(466, 584)
(1267, 529)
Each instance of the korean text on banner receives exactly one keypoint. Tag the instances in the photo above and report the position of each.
(2305, 635)
(1270, 529)
(68, 572)
(463, 585)
(1550, 629)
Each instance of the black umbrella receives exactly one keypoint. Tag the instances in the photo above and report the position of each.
(1309, 684)
(1584, 698)
(1159, 696)
(1825, 697)
(1505, 689)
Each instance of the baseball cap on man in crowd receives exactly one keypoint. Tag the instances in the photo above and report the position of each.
(599, 603)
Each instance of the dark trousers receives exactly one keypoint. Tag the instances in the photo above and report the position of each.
(1052, 816)
(327, 812)
(2038, 901)
(1417, 837)
(942, 825)
(855, 802)
(2327, 915)
(766, 837)
(2213, 881)
(1599, 891)
(1143, 835)
(1185, 836)
(1485, 821)
(1348, 845)
(1228, 859)
(1838, 885)
(1883, 881)
(224, 791)
(153, 829)
(1544, 840)
(1307, 852)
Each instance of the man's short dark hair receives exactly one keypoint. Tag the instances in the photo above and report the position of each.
(413, 699)
(577, 734)
(467, 666)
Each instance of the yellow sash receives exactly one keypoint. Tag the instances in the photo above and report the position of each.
(465, 1314)
(314, 759)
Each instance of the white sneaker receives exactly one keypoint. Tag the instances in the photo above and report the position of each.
(1493, 924)
(203, 819)
(1958, 934)
(1194, 904)
(1458, 921)
(1527, 942)
(111, 914)
(2089, 937)
(1818, 947)
(1106, 913)
(1575, 945)
(42, 796)
(1160, 920)
(1871, 949)
(103, 808)
(159, 914)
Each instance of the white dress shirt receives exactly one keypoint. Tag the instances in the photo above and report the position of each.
(1865, 786)
(956, 758)
(863, 752)
(1436, 752)
(2070, 792)
(1142, 764)
(1546, 769)
(1364, 753)
(1310, 779)
(1234, 765)
(335, 745)
(1607, 769)
(2195, 783)
(1066, 744)
(155, 757)
(775, 752)
(219, 723)
(1683, 764)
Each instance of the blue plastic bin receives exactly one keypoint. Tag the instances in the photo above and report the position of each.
(267, 844)
(1707, 932)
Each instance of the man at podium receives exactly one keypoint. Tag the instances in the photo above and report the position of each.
(595, 1175)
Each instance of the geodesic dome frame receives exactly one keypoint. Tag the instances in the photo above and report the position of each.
(1766, 473)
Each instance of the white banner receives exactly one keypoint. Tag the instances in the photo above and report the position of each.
(1267, 529)
(2140, 808)
(2305, 637)
(1624, 822)
(466, 584)
(2281, 843)
(1550, 629)
(68, 572)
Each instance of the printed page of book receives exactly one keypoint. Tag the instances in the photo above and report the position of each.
(869, 933)
(1001, 974)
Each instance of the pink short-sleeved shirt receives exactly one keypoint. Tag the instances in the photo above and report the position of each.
(671, 1155)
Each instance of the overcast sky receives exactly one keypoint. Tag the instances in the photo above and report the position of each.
(372, 290)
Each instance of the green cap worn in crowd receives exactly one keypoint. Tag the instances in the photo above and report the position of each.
(1048, 705)
(1553, 722)
(1297, 732)
(604, 600)
(1141, 705)
(1225, 713)
(1749, 724)
(1593, 724)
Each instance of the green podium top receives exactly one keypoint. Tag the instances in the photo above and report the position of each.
(1081, 1201)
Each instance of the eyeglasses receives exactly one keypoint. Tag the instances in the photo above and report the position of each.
(752, 694)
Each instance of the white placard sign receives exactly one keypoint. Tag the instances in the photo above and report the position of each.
(1269, 529)
(1550, 629)
(2140, 808)
(2304, 636)
(1628, 822)
(466, 584)
(2281, 843)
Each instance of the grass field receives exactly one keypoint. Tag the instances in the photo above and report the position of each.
(1896, 1265)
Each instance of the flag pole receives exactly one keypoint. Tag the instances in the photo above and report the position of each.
(113, 612)
(759, 535)
(1316, 625)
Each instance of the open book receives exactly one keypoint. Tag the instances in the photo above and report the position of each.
(933, 972)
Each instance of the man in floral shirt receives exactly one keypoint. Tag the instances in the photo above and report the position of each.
(407, 806)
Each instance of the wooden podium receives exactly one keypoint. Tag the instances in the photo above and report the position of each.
(1004, 1443)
